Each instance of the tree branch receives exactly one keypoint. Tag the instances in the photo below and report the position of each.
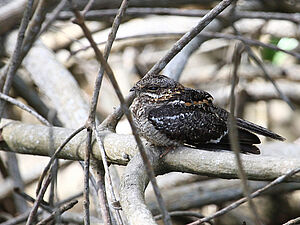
(33, 139)
(136, 12)
(47, 74)
(133, 184)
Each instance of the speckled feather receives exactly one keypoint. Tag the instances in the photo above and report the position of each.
(169, 114)
(189, 124)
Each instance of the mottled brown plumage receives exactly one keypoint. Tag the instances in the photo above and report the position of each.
(169, 114)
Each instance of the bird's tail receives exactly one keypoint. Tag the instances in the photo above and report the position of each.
(258, 129)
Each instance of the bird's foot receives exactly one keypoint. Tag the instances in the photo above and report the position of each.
(166, 151)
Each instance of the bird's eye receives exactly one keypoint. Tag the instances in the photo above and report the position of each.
(152, 88)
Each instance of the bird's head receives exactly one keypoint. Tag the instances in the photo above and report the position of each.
(157, 87)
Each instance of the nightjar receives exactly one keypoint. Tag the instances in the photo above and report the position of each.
(168, 114)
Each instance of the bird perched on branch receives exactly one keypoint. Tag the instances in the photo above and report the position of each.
(168, 114)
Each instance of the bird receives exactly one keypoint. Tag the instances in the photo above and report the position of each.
(168, 114)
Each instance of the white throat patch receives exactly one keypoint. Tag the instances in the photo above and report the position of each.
(153, 95)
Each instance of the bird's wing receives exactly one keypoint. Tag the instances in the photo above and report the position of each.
(191, 124)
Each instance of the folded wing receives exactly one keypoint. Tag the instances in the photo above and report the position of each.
(200, 126)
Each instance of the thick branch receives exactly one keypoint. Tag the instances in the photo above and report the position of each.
(222, 164)
(33, 139)
(214, 191)
(133, 184)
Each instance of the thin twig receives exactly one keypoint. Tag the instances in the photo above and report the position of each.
(19, 219)
(102, 197)
(64, 201)
(181, 213)
(268, 77)
(54, 156)
(106, 169)
(16, 57)
(233, 133)
(53, 16)
(249, 41)
(54, 170)
(87, 7)
(35, 25)
(266, 74)
(177, 47)
(293, 221)
(243, 200)
(135, 12)
(91, 123)
(44, 205)
(203, 33)
(294, 17)
(110, 40)
(87, 154)
(185, 39)
(105, 165)
(24, 107)
(27, 39)
(31, 97)
(112, 120)
(58, 211)
(38, 200)
(101, 59)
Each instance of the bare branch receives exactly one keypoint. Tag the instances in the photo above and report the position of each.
(182, 213)
(97, 14)
(22, 89)
(233, 132)
(260, 64)
(253, 195)
(53, 16)
(105, 165)
(32, 139)
(11, 14)
(101, 191)
(182, 42)
(54, 156)
(293, 221)
(38, 200)
(111, 38)
(24, 107)
(207, 34)
(213, 191)
(86, 168)
(126, 111)
(44, 205)
(99, 174)
(87, 7)
(58, 211)
(47, 74)
(16, 58)
(19, 219)
(91, 124)
(35, 25)
(182, 159)
(133, 184)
